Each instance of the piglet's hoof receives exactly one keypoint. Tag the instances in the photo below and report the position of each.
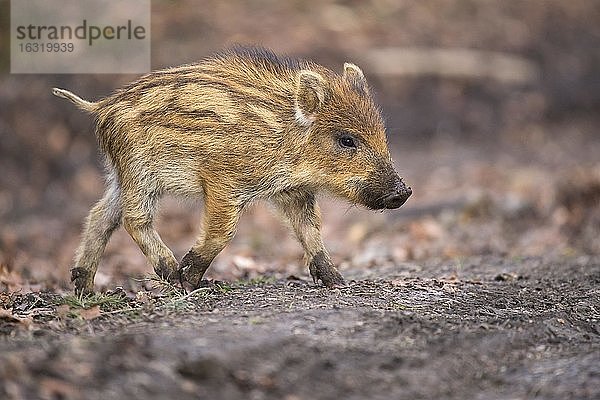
(83, 281)
(166, 271)
(321, 268)
(191, 270)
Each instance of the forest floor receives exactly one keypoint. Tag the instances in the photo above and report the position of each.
(485, 328)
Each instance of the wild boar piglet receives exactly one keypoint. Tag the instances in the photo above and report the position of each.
(240, 126)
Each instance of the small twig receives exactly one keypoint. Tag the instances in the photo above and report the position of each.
(190, 294)
(123, 310)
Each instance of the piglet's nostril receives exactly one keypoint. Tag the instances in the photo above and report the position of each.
(401, 188)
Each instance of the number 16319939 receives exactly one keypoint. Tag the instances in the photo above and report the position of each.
(41, 47)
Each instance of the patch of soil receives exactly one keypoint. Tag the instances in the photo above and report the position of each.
(479, 328)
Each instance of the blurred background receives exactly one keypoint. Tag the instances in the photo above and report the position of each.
(492, 109)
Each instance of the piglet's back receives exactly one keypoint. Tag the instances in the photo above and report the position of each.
(241, 92)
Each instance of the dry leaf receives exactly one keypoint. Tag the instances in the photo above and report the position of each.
(90, 313)
(63, 310)
(7, 315)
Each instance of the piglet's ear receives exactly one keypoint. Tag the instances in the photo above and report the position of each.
(355, 77)
(310, 96)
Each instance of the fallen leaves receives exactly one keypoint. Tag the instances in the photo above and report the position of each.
(7, 316)
(65, 311)
(90, 313)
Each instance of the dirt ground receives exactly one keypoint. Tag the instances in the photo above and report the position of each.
(484, 285)
(487, 328)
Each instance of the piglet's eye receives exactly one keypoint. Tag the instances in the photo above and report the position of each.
(347, 141)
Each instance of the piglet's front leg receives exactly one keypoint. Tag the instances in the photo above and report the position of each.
(302, 211)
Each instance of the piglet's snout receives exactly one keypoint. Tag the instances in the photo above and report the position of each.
(398, 196)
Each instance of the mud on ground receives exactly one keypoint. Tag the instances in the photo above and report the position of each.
(482, 328)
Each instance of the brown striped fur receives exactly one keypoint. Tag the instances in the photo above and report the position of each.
(240, 126)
